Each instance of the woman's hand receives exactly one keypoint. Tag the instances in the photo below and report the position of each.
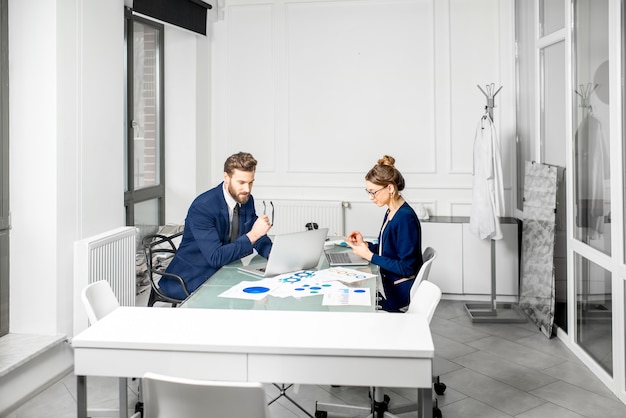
(354, 238)
(359, 246)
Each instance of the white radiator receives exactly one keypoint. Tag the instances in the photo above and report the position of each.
(108, 256)
(294, 215)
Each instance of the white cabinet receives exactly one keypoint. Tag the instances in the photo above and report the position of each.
(463, 265)
(447, 269)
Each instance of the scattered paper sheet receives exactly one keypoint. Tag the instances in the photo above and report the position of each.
(307, 288)
(255, 290)
(347, 296)
(343, 274)
(307, 283)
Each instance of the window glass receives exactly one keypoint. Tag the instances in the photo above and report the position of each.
(524, 91)
(146, 218)
(551, 16)
(553, 146)
(146, 105)
(553, 139)
(147, 214)
(592, 198)
(594, 306)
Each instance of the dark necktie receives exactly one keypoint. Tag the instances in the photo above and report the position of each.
(234, 226)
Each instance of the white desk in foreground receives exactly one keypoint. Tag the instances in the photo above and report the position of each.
(351, 348)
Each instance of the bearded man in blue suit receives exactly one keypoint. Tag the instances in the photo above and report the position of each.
(207, 244)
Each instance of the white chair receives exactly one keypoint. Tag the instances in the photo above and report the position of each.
(167, 396)
(425, 297)
(99, 301)
(428, 256)
(424, 301)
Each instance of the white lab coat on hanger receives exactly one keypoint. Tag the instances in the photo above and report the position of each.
(593, 182)
(488, 190)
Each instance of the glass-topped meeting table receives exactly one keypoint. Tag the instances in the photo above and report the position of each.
(208, 296)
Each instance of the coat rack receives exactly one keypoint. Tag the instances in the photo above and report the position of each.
(493, 311)
(584, 91)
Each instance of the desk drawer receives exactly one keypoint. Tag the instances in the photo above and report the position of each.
(134, 363)
(327, 370)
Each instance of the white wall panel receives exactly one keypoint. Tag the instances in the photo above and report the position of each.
(359, 73)
(250, 84)
(319, 90)
(180, 122)
(474, 59)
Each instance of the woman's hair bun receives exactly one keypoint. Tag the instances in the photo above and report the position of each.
(387, 160)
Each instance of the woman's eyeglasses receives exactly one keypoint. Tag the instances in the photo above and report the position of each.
(373, 194)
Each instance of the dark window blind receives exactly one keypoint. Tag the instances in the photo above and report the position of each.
(188, 14)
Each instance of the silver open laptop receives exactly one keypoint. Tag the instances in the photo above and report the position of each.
(345, 258)
(291, 252)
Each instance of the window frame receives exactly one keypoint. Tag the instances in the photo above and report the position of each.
(133, 196)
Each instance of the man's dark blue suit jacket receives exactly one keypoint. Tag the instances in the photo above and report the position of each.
(205, 245)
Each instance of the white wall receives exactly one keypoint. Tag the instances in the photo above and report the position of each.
(66, 127)
(180, 122)
(33, 184)
(319, 90)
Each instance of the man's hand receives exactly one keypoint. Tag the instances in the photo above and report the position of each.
(261, 227)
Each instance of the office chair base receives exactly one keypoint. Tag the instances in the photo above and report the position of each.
(283, 393)
(378, 409)
(322, 409)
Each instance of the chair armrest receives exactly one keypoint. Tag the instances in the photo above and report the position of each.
(153, 246)
(172, 275)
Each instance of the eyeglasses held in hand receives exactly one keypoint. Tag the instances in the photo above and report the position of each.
(265, 212)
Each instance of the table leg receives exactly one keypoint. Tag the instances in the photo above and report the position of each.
(425, 402)
(283, 392)
(81, 396)
(123, 397)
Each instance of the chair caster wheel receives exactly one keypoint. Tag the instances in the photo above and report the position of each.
(139, 408)
(436, 411)
(440, 388)
(321, 414)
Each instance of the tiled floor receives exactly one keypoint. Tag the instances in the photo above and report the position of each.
(491, 371)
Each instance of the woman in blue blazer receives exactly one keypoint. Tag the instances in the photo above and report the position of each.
(398, 252)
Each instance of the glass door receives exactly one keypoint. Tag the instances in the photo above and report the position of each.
(592, 191)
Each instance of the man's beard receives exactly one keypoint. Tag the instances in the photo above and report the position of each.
(240, 199)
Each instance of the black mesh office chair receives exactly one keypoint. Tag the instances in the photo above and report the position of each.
(159, 250)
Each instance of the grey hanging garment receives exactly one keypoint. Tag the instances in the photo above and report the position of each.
(538, 231)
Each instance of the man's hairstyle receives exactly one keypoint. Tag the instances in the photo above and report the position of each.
(243, 161)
